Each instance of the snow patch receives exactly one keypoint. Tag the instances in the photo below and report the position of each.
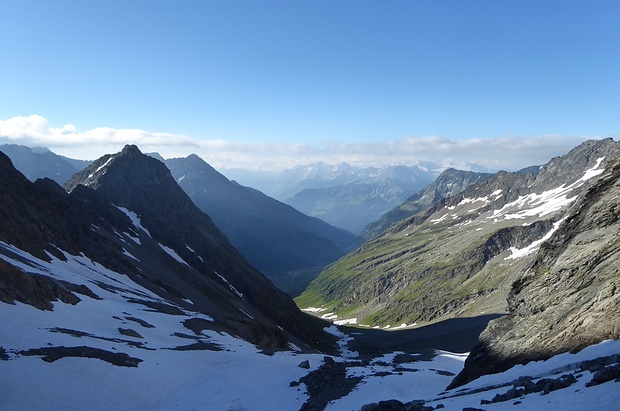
(522, 252)
(239, 294)
(134, 219)
(173, 254)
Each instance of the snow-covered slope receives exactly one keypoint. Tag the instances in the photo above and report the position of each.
(139, 358)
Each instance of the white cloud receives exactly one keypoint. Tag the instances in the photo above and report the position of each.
(508, 153)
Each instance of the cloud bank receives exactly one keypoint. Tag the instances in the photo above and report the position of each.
(508, 153)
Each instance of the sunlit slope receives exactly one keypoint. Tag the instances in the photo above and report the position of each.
(460, 256)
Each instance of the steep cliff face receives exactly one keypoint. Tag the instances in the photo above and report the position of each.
(460, 256)
(570, 296)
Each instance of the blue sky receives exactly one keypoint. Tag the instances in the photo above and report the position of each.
(286, 77)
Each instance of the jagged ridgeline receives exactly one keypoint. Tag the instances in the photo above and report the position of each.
(449, 183)
(124, 216)
(460, 256)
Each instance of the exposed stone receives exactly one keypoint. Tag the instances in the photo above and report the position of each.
(570, 296)
(604, 375)
(51, 354)
(327, 383)
(129, 332)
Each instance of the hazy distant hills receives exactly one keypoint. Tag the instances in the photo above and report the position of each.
(39, 162)
(349, 197)
(460, 256)
(288, 246)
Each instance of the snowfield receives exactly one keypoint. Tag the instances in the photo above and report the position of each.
(173, 368)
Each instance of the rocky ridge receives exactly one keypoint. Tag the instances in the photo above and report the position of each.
(569, 297)
(449, 183)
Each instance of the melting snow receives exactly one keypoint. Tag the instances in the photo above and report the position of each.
(440, 219)
(347, 321)
(594, 171)
(240, 295)
(313, 309)
(522, 252)
(100, 168)
(546, 202)
(134, 219)
(238, 377)
(173, 254)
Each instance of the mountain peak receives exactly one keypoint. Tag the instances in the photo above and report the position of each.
(131, 150)
(145, 188)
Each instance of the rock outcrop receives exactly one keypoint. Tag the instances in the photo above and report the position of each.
(569, 298)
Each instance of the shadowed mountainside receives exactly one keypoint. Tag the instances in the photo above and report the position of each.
(289, 247)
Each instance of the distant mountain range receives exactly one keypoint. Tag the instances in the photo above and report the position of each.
(351, 198)
(39, 162)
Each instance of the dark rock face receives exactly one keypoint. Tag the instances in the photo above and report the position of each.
(327, 383)
(51, 354)
(569, 298)
(131, 217)
(449, 183)
(274, 237)
(35, 290)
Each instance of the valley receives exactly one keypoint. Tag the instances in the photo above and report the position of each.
(492, 291)
(460, 256)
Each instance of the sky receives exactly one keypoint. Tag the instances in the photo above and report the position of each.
(269, 84)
